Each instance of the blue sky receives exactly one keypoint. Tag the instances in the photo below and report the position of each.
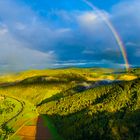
(38, 34)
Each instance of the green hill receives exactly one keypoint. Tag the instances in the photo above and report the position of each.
(106, 112)
(79, 103)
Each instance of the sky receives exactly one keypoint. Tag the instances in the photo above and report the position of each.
(39, 34)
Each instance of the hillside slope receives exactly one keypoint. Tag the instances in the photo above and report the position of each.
(106, 112)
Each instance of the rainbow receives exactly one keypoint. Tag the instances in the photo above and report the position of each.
(113, 30)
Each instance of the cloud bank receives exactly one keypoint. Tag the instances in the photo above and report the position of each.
(30, 39)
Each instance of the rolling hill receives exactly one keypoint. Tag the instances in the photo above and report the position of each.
(75, 103)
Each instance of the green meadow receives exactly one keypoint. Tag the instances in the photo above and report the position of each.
(75, 103)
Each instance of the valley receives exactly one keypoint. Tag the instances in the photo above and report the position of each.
(70, 104)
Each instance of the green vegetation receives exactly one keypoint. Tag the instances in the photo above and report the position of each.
(75, 104)
(13, 113)
(8, 108)
(106, 112)
(50, 125)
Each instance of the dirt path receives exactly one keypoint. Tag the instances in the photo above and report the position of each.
(35, 131)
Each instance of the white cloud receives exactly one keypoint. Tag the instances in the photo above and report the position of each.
(22, 37)
(20, 26)
(27, 26)
(86, 51)
(126, 18)
(3, 30)
(87, 18)
(64, 30)
(132, 44)
(137, 53)
(14, 55)
(24, 32)
(69, 64)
